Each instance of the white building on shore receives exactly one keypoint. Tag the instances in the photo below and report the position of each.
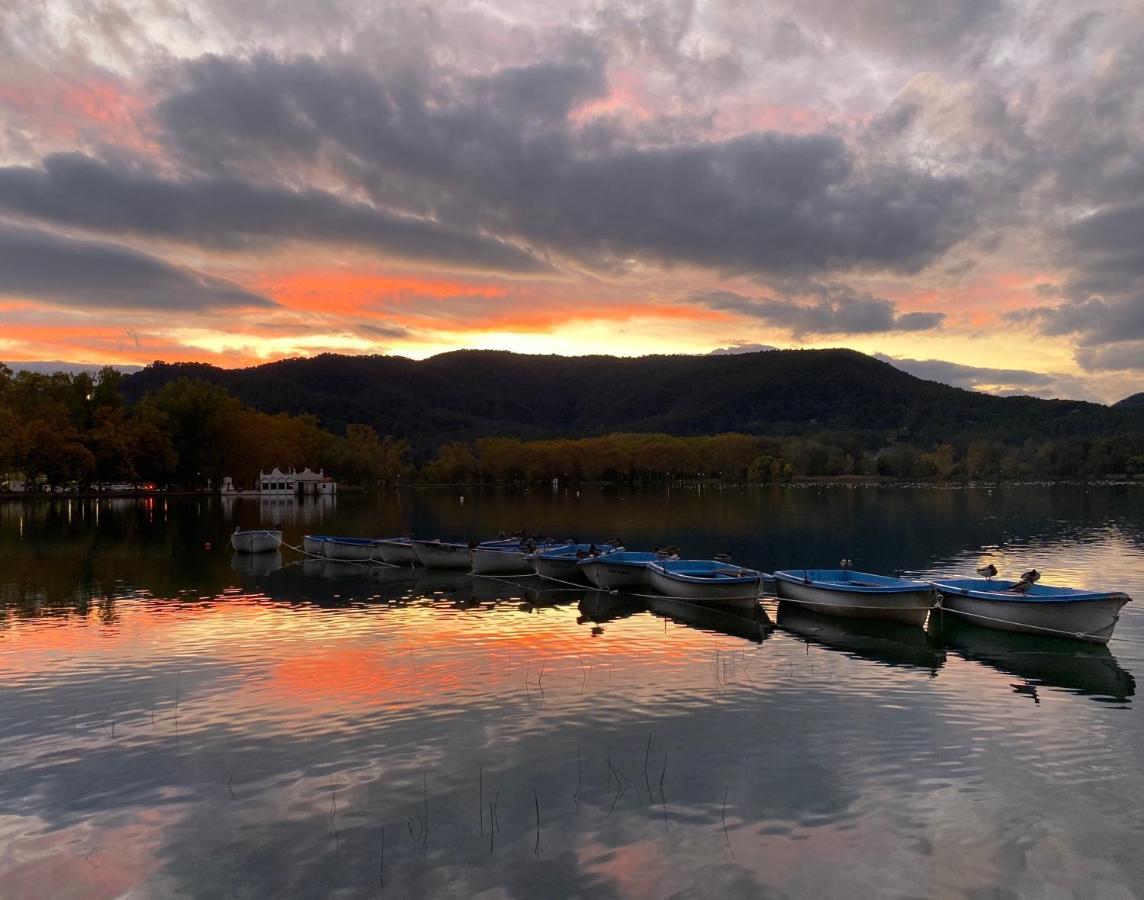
(277, 483)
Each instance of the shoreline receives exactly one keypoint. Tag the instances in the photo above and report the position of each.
(803, 481)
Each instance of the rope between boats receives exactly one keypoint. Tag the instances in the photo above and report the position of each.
(591, 587)
(350, 562)
(1057, 631)
(514, 580)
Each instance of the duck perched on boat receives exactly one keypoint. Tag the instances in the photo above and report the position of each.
(1026, 581)
(987, 571)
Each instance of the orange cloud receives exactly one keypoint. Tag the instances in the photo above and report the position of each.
(977, 302)
(99, 107)
(550, 318)
(458, 306)
(626, 96)
(357, 292)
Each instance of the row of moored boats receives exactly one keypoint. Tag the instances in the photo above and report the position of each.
(1022, 605)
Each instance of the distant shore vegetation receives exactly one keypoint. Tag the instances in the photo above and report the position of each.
(77, 432)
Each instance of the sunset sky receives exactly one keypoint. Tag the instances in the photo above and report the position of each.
(956, 185)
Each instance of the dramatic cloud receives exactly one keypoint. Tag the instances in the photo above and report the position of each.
(837, 310)
(1104, 305)
(77, 191)
(42, 266)
(502, 154)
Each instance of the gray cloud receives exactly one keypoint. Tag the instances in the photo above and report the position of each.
(77, 191)
(836, 310)
(381, 331)
(39, 265)
(469, 151)
(1093, 320)
(1113, 357)
(943, 27)
(1003, 381)
(1103, 298)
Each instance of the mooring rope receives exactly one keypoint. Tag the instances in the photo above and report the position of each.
(1082, 635)
(351, 562)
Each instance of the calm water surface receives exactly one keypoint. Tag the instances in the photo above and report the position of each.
(175, 721)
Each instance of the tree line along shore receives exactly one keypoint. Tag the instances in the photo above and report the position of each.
(78, 432)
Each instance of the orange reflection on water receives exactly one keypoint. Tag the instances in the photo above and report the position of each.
(88, 861)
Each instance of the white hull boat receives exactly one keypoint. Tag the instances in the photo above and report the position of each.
(396, 551)
(709, 582)
(562, 562)
(502, 558)
(624, 570)
(443, 555)
(1037, 609)
(313, 544)
(262, 540)
(856, 595)
(348, 549)
(559, 568)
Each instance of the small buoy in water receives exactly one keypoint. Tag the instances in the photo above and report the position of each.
(206, 545)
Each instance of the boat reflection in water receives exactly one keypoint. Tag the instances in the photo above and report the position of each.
(256, 565)
(440, 582)
(599, 607)
(750, 623)
(883, 642)
(327, 582)
(1042, 662)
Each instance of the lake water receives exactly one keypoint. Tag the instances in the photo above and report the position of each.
(178, 722)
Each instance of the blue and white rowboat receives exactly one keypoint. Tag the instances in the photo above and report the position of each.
(1037, 609)
(256, 540)
(623, 570)
(706, 581)
(562, 563)
(349, 549)
(510, 556)
(397, 551)
(312, 544)
(439, 554)
(858, 595)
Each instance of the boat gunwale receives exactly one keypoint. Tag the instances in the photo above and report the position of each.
(451, 546)
(714, 576)
(350, 541)
(1005, 595)
(893, 585)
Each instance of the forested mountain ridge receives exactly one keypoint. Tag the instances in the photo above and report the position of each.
(467, 394)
